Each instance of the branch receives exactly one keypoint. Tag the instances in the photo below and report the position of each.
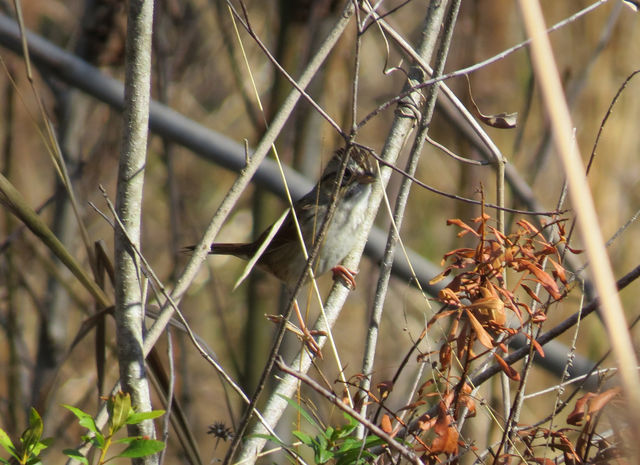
(129, 295)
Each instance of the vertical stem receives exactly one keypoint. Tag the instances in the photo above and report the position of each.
(128, 282)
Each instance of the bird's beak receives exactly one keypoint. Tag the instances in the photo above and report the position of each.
(367, 177)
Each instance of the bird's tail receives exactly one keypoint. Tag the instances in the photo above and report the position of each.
(239, 250)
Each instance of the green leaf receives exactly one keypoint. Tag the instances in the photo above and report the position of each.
(349, 428)
(76, 455)
(330, 434)
(354, 457)
(120, 410)
(349, 444)
(5, 441)
(372, 440)
(84, 419)
(33, 433)
(142, 448)
(323, 455)
(303, 437)
(137, 417)
(41, 445)
(96, 440)
(5, 461)
(321, 450)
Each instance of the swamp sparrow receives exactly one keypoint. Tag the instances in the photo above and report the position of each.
(284, 257)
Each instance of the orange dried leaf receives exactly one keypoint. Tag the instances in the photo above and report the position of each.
(536, 345)
(385, 424)
(539, 317)
(507, 369)
(439, 315)
(543, 278)
(440, 277)
(425, 422)
(532, 294)
(446, 295)
(576, 416)
(481, 333)
(542, 461)
(464, 226)
(384, 388)
(531, 229)
(602, 399)
(425, 385)
(413, 405)
(446, 442)
(445, 356)
(489, 309)
(574, 251)
(559, 271)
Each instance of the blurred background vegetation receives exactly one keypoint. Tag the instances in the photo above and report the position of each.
(199, 70)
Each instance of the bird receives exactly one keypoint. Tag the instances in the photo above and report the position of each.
(283, 257)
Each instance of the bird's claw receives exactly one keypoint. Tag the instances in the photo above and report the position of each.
(345, 275)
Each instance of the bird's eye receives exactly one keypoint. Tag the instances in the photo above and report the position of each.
(347, 174)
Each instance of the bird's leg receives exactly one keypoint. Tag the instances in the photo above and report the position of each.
(307, 336)
(345, 275)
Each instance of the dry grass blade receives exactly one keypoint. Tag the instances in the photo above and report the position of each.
(13, 200)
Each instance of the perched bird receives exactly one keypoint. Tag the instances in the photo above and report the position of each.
(283, 257)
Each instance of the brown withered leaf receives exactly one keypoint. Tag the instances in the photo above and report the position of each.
(463, 252)
(446, 441)
(483, 218)
(440, 277)
(507, 369)
(532, 294)
(464, 226)
(536, 345)
(548, 249)
(525, 306)
(445, 356)
(461, 341)
(589, 404)
(603, 399)
(542, 461)
(346, 398)
(439, 315)
(489, 309)
(500, 237)
(580, 410)
(384, 388)
(531, 229)
(574, 251)
(412, 406)
(544, 279)
(559, 271)
(466, 400)
(539, 317)
(425, 422)
(427, 384)
(498, 120)
(385, 424)
(358, 400)
(482, 335)
(448, 296)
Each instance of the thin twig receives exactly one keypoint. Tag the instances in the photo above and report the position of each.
(457, 197)
(335, 400)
